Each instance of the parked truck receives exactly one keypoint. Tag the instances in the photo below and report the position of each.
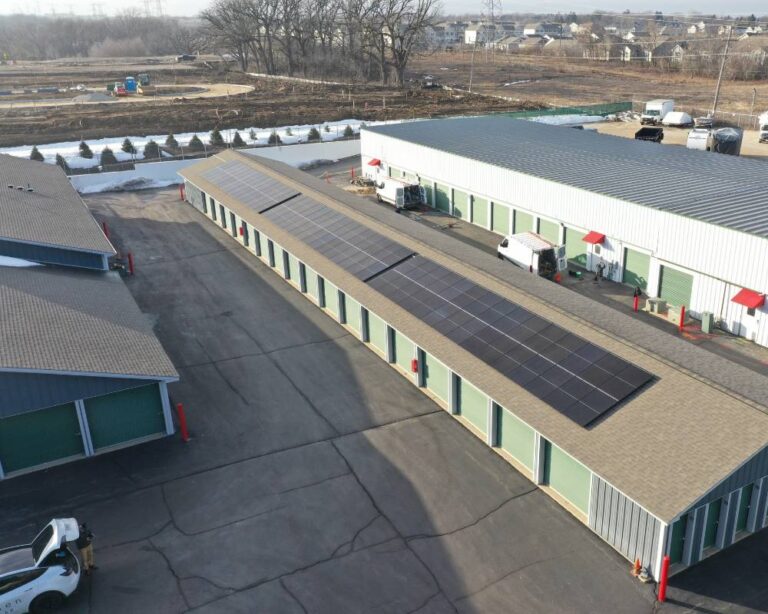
(531, 251)
(653, 134)
(763, 123)
(656, 110)
(402, 194)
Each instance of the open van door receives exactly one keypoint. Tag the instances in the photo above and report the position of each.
(53, 535)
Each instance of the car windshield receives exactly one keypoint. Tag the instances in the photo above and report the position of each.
(41, 541)
(764, 127)
(652, 112)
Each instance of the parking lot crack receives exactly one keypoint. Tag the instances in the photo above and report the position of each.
(176, 576)
(294, 597)
(474, 522)
(424, 603)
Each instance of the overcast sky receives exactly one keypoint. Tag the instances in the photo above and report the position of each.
(192, 7)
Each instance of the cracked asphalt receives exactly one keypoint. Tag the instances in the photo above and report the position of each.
(318, 479)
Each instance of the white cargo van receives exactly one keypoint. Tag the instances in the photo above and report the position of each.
(656, 110)
(534, 253)
(763, 121)
(402, 194)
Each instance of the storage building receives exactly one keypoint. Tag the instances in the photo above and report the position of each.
(654, 457)
(685, 226)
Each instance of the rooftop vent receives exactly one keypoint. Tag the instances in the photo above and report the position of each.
(30, 188)
(20, 187)
(10, 186)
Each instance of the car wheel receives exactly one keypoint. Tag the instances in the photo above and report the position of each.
(46, 602)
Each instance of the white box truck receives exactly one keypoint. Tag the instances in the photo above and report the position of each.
(655, 110)
(402, 194)
(763, 125)
(534, 253)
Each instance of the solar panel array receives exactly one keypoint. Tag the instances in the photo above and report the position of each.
(354, 247)
(252, 188)
(577, 378)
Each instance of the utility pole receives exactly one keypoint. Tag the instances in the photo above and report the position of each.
(472, 66)
(722, 67)
(754, 95)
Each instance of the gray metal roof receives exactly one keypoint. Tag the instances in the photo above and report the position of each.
(725, 190)
(76, 321)
(53, 214)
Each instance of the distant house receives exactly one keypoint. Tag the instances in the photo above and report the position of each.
(445, 34)
(484, 32)
(669, 52)
(545, 29)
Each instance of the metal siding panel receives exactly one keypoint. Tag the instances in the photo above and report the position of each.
(52, 255)
(124, 416)
(698, 534)
(473, 405)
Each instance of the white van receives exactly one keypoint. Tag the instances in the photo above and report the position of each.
(656, 110)
(534, 253)
(402, 194)
(763, 121)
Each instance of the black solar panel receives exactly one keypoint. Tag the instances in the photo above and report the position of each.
(255, 189)
(577, 378)
(354, 247)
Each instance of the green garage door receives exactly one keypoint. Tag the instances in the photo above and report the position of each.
(405, 351)
(461, 204)
(550, 231)
(280, 256)
(473, 405)
(575, 248)
(395, 172)
(442, 198)
(377, 332)
(567, 476)
(523, 222)
(501, 215)
(745, 503)
(636, 266)
(293, 268)
(124, 416)
(713, 521)
(480, 211)
(312, 286)
(427, 185)
(677, 541)
(436, 376)
(331, 298)
(675, 287)
(264, 247)
(516, 437)
(353, 314)
(39, 437)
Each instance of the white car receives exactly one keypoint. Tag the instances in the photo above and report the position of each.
(38, 577)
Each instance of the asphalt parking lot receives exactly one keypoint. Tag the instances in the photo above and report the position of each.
(318, 478)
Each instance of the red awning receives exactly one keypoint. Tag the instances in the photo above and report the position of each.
(593, 237)
(374, 162)
(749, 298)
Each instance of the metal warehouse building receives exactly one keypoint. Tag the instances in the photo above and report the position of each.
(686, 226)
(655, 458)
(81, 371)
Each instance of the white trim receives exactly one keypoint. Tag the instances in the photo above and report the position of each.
(2, 472)
(154, 378)
(539, 458)
(169, 428)
(661, 549)
(492, 423)
(85, 429)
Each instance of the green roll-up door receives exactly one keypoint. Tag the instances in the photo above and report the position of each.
(293, 267)
(480, 211)
(377, 332)
(636, 267)
(575, 248)
(567, 476)
(436, 377)
(353, 314)
(312, 286)
(442, 197)
(427, 185)
(745, 502)
(523, 222)
(405, 351)
(473, 405)
(675, 287)
(124, 416)
(395, 172)
(461, 204)
(263, 247)
(550, 231)
(516, 437)
(501, 215)
(331, 298)
(39, 437)
(713, 521)
(280, 259)
(677, 541)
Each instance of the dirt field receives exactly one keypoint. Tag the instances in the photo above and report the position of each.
(563, 82)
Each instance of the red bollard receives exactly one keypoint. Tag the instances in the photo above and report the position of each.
(352, 172)
(181, 191)
(130, 263)
(682, 318)
(664, 579)
(635, 303)
(106, 229)
(182, 422)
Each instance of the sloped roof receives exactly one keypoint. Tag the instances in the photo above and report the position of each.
(53, 214)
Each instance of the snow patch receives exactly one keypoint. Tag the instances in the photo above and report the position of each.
(127, 185)
(16, 262)
(567, 120)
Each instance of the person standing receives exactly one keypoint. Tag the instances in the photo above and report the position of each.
(85, 544)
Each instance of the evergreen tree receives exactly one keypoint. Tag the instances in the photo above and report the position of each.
(274, 138)
(252, 135)
(216, 139)
(171, 142)
(195, 144)
(128, 146)
(237, 140)
(62, 163)
(313, 135)
(36, 155)
(107, 157)
(85, 151)
(348, 132)
(152, 150)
